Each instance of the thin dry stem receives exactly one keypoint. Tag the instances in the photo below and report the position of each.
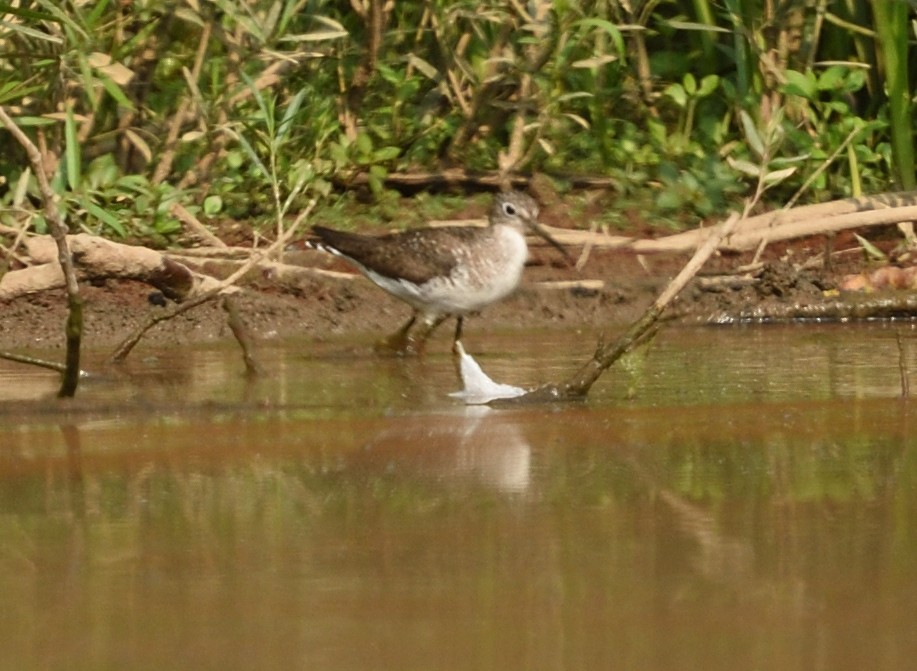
(74, 327)
(128, 343)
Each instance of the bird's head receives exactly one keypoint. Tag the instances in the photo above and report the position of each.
(520, 211)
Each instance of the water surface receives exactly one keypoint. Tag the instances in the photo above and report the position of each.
(732, 498)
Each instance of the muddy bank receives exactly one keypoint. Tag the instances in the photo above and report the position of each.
(316, 307)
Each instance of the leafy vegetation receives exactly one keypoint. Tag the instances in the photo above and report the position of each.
(246, 108)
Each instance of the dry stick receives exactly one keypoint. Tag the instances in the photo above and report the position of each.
(74, 327)
(902, 367)
(800, 221)
(785, 224)
(128, 343)
(194, 225)
(579, 384)
(32, 361)
(239, 330)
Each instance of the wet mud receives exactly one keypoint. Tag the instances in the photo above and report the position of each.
(789, 276)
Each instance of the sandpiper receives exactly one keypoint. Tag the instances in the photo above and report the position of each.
(443, 272)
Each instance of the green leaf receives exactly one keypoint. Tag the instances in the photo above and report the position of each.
(262, 103)
(595, 61)
(105, 217)
(386, 154)
(752, 136)
(115, 92)
(289, 114)
(613, 31)
(364, 144)
(677, 93)
(213, 205)
(708, 85)
(7, 8)
(102, 172)
(31, 32)
(234, 159)
(167, 226)
(339, 154)
(376, 179)
(777, 176)
(832, 78)
(799, 84)
(657, 130)
(16, 90)
(855, 80)
(30, 121)
(322, 187)
(744, 166)
(253, 156)
(690, 25)
(669, 199)
(63, 17)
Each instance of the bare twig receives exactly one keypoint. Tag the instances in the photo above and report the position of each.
(128, 343)
(241, 332)
(195, 226)
(74, 326)
(902, 367)
(33, 361)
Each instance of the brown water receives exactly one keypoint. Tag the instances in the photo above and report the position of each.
(741, 498)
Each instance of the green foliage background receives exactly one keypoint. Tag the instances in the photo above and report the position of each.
(243, 108)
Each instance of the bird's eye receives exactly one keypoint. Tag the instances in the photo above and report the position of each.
(509, 209)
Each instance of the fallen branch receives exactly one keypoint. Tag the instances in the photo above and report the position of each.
(95, 257)
(797, 222)
(32, 361)
(899, 305)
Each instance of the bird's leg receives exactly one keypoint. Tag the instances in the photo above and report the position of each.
(399, 342)
(422, 332)
(458, 334)
(405, 343)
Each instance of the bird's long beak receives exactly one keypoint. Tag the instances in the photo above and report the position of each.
(551, 241)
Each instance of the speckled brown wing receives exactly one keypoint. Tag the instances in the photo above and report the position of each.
(416, 256)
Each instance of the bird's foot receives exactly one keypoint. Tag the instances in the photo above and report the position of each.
(399, 344)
